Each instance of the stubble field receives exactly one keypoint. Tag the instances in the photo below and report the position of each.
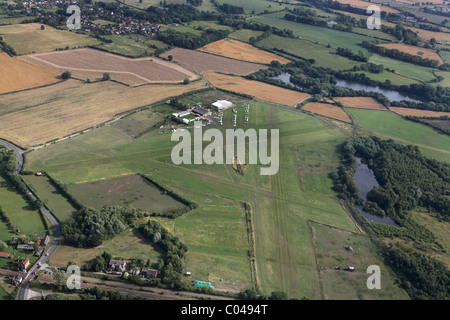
(34, 117)
(238, 50)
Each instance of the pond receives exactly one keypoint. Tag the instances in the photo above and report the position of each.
(365, 181)
(392, 95)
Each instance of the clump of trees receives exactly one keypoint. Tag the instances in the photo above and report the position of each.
(191, 40)
(90, 226)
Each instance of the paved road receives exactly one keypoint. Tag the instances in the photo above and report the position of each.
(24, 288)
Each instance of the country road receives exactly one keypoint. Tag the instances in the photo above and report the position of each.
(23, 290)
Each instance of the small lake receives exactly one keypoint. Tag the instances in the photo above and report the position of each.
(286, 78)
(365, 181)
(392, 95)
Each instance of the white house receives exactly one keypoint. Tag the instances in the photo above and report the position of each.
(181, 114)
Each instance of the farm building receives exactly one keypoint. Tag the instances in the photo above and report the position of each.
(181, 114)
(201, 111)
(222, 104)
(46, 240)
(25, 247)
(6, 255)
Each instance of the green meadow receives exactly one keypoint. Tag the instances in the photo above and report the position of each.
(324, 36)
(389, 125)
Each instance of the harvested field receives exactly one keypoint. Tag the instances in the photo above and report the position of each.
(418, 113)
(144, 70)
(327, 110)
(421, 52)
(364, 5)
(238, 50)
(257, 89)
(16, 74)
(360, 102)
(36, 116)
(29, 38)
(427, 35)
(203, 62)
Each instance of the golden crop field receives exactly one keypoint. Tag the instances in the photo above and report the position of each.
(37, 116)
(427, 35)
(327, 110)
(259, 90)
(421, 52)
(16, 74)
(29, 38)
(418, 112)
(364, 5)
(238, 50)
(93, 63)
(360, 102)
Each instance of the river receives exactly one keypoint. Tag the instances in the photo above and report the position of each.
(365, 181)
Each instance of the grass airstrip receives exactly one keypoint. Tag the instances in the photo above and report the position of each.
(216, 233)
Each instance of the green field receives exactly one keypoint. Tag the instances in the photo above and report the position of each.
(203, 25)
(256, 6)
(218, 245)
(445, 82)
(131, 45)
(330, 244)
(124, 191)
(324, 36)
(323, 56)
(244, 34)
(395, 79)
(389, 125)
(403, 68)
(29, 38)
(47, 193)
(129, 244)
(19, 212)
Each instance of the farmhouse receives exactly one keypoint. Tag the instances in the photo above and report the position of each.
(24, 263)
(46, 241)
(150, 274)
(222, 104)
(6, 255)
(117, 265)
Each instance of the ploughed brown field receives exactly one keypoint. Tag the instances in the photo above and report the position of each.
(418, 112)
(360, 102)
(327, 110)
(421, 52)
(259, 90)
(82, 62)
(16, 74)
(202, 62)
(40, 115)
(239, 50)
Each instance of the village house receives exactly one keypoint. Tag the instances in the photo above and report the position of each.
(151, 274)
(24, 263)
(117, 265)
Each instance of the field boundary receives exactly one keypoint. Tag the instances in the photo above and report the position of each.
(252, 252)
